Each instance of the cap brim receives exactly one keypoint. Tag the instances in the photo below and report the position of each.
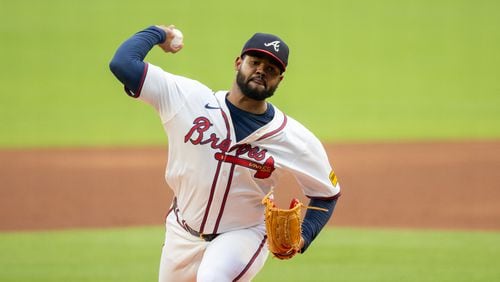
(281, 65)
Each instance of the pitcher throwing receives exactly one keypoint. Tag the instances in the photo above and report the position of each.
(227, 150)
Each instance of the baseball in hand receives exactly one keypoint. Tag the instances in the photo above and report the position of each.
(177, 40)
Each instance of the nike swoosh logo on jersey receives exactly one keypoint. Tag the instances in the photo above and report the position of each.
(211, 107)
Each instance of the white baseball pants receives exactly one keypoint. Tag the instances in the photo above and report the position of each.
(232, 256)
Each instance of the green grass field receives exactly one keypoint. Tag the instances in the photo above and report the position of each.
(359, 70)
(338, 254)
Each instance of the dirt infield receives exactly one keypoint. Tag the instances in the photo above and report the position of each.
(410, 185)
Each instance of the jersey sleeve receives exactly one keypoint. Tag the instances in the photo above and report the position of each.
(166, 92)
(313, 171)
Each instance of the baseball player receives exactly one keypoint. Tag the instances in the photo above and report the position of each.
(227, 150)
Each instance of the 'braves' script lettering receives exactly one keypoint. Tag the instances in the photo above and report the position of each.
(198, 135)
(197, 132)
(253, 152)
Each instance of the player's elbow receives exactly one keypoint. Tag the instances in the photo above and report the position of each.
(127, 72)
(121, 69)
(116, 67)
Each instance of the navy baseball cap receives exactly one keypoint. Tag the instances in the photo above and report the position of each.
(270, 45)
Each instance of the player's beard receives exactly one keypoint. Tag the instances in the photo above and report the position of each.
(253, 92)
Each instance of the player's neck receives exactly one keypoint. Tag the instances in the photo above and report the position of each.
(238, 99)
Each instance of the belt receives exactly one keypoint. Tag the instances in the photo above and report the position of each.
(183, 224)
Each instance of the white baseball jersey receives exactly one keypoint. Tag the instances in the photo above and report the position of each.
(219, 183)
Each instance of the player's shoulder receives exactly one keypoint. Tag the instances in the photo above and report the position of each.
(297, 133)
(299, 129)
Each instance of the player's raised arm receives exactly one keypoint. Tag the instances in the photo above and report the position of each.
(128, 62)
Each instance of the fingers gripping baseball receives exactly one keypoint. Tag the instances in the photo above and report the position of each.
(174, 41)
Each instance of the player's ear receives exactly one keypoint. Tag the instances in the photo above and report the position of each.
(237, 63)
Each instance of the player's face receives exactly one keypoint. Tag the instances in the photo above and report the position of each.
(257, 76)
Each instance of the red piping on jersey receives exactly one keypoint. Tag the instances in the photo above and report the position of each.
(269, 134)
(226, 121)
(169, 211)
(249, 264)
(228, 187)
(212, 192)
(141, 83)
(216, 177)
(143, 78)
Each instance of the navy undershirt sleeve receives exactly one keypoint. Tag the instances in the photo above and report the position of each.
(127, 64)
(315, 220)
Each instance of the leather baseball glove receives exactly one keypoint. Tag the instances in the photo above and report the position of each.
(284, 227)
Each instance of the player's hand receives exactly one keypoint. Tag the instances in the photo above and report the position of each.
(166, 45)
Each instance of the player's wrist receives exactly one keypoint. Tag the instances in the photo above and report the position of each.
(161, 32)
